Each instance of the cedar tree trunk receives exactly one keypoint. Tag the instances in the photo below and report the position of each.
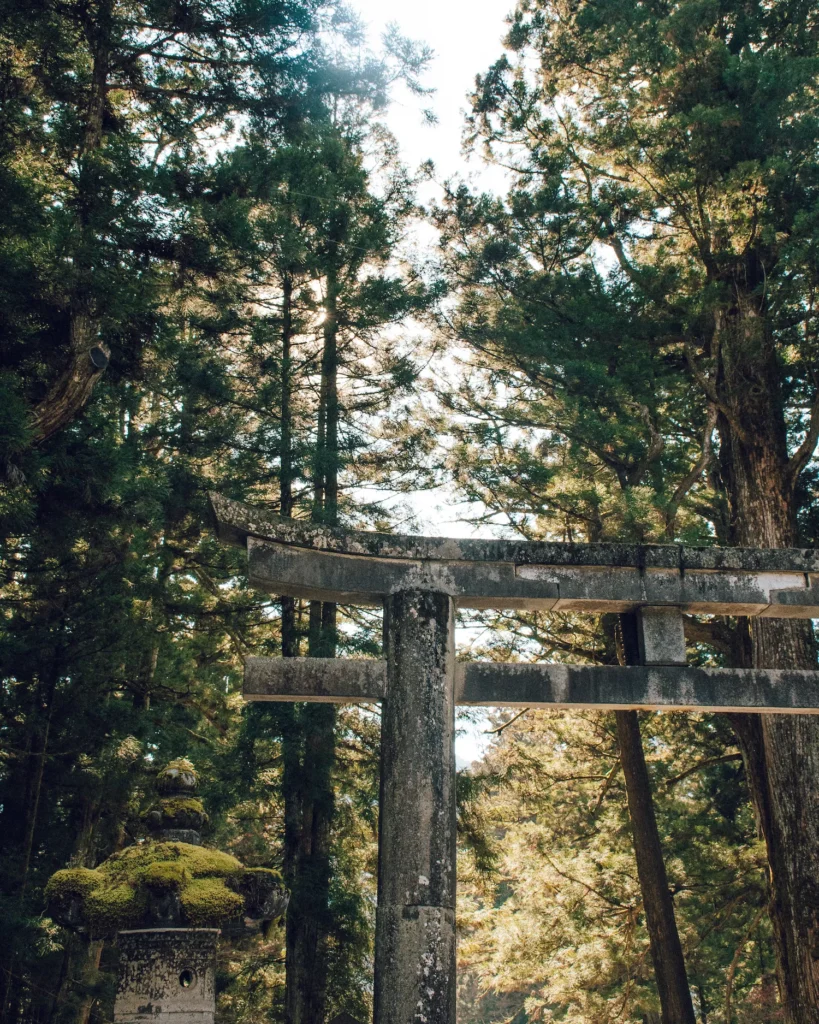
(781, 752)
(308, 788)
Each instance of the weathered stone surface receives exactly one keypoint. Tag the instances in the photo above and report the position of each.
(415, 925)
(623, 589)
(236, 522)
(652, 688)
(182, 835)
(166, 976)
(332, 680)
(493, 684)
(356, 579)
(661, 636)
(416, 949)
(794, 603)
(365, 580)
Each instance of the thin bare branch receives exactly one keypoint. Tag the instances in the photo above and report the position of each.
(723, 759)
(802, 456)
(500, 728)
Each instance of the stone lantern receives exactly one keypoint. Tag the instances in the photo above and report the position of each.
(166, 900)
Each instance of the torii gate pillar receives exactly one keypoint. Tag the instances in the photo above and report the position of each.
(415, 932)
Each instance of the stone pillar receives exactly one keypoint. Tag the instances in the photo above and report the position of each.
(166, 976)
(660, 636)
(415, 919)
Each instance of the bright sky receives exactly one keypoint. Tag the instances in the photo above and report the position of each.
(465, 36)
(466, 39)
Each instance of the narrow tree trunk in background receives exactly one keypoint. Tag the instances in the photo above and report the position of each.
(286, 456)
(34, 807)
(71, 391)
(664, 939)
(329, 388)
(309, 797)
(81, 971)
(781, 752)
(291, 740)
(703, 1005)
(308, 915)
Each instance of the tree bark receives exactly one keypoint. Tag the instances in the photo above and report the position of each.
(781, 752)
(75, 995)
(309, 806)
(87, 354)
(308, 789)
(664, 940)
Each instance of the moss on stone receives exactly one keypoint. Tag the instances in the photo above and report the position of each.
(180, 764)
(130, 889)
(110, 908)
(182, 805)
(71, 882)
(198, 861)
(208, 901)
(265, 873)
(176, 812)
(165, 875)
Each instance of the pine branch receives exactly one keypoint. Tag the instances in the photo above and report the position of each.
(500, 728)
(724, 758)
(803, 454)
(695, 473)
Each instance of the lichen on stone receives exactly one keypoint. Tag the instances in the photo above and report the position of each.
(263, 891)
(177, 776)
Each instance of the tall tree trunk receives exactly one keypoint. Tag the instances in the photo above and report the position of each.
(87, 354)
(781, 752)
(308, 788)
(664, 939)
(286, 457)
(75, 995)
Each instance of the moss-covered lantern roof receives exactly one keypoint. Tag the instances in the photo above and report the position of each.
(166, 883)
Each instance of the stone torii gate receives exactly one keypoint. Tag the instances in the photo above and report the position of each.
(420, 582)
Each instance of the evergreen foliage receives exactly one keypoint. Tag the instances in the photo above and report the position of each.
(637, 323)
(156, 233)
(206, 283)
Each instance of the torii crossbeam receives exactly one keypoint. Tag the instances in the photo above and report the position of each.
(420, 581)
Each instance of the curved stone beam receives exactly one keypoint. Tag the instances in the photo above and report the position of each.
(305, 560)
(236, 522)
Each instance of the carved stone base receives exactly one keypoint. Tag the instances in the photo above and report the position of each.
(166, 976)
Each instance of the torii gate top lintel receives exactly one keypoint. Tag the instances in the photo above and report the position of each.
(237, 522)
(359, 567)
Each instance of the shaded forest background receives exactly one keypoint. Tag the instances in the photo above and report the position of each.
(214, 277)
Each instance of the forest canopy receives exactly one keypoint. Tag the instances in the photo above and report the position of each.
(217, 274)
